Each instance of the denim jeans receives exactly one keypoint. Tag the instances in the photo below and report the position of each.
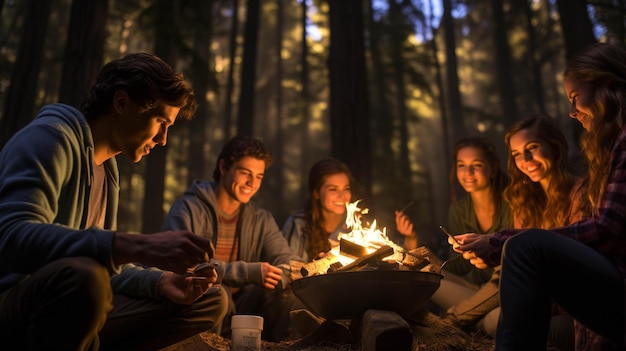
(540, 266)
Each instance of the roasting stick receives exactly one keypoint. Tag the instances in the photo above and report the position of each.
(443, 229)
(406, 207)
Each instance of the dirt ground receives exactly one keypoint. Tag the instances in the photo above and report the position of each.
(430, 334)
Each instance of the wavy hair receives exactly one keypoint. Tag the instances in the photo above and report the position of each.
(530, 205)
(239, 147)
(602, 67)
(497, 182)
(319, 172)
(147, 80)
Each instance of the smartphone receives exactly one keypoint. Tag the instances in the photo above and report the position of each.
(443, 229)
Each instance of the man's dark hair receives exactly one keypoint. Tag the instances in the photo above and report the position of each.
(238, 148)
(146, 79)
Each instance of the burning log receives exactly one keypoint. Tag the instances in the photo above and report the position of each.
(348, 248)
(358, 243)
(408, 260)
(320, 266)
(379, 254)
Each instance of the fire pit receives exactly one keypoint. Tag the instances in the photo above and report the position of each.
(347, 295)
(390, 278)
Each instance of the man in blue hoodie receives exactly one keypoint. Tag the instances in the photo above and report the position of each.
(68, 280)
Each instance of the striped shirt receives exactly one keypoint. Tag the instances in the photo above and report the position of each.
(226, 248)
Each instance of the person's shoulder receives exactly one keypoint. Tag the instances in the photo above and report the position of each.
(296, 219)
(199, 188)
(459, 204)
(55, 126)
(61, 112)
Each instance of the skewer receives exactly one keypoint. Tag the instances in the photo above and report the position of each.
(407, 206)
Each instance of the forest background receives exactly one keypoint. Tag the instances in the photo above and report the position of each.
(387, 86)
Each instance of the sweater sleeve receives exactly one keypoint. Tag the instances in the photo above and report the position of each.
(43, 180)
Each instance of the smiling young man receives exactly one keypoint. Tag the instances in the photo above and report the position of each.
(69, 280)
(250, 251)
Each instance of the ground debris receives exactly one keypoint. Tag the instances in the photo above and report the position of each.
(430, 333)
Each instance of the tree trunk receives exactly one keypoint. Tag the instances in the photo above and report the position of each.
(245, 118)
(397, 44)
(577, 28)
(380, 105)
(306, 100)
(349, 108)
(230, 81)
(202, 75)
(452, 77)
(20, 96)
(440, 207)
(577, 33)
(278, 146)
(165, 48)
(506, 87)
(537, 77)
(84, 49)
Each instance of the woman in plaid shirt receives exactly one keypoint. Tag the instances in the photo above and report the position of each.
(582, 267)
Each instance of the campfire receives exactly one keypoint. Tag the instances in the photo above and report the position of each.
(369, 279)
(363, 248)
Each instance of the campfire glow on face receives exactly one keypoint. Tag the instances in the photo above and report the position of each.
(371, 238)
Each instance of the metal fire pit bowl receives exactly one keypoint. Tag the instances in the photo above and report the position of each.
(347, 295)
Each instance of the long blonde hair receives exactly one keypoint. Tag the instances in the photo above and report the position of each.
(603, 68)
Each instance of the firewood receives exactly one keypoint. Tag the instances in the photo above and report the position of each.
(320, 266)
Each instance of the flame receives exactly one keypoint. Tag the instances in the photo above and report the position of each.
(369, 236)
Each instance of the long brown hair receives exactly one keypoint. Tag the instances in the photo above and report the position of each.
(602, 67)
(319, 172)
(498, 179)
(531, 206)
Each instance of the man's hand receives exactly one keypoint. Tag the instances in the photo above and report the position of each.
(171, 251)
(185, 289)
(271, 275)
(473, 247)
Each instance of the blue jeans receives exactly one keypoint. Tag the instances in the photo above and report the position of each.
(539, 267)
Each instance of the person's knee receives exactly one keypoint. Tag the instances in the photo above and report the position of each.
(224, 303)
(86, 291)
(523, 243)
(89, 277)
(212, 307)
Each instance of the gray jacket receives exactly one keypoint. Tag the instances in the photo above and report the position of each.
(260, 239)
